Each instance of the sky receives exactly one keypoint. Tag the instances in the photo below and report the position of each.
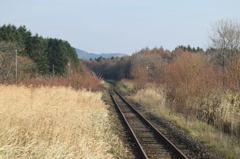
(121, 26)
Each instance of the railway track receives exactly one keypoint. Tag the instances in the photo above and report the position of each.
(149, 141)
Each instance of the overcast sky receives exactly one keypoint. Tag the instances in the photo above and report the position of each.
(123, 26)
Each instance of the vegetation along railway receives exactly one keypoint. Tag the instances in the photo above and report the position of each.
(149, 141)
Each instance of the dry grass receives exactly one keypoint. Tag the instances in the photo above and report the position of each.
(57, 122)
(154, 101)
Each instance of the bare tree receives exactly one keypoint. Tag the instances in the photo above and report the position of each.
(226, 37)
(225, 41)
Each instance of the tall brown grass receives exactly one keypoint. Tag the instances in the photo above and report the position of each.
(56, 122)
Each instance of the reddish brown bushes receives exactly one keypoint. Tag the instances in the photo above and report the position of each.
(149, 65)
(189, 78)
(74, 80)
(197, 89)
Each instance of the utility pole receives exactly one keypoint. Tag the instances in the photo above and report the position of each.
(69, 69)
(16, 66)
(53, 71)
(223, 62)
(68, 73)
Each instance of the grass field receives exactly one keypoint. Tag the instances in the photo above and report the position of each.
(55, 123)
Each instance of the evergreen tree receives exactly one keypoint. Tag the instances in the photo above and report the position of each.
(57, 58)
(36, 50)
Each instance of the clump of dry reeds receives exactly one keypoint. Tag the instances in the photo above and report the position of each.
(56, 122)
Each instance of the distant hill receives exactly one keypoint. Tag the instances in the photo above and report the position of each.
(86, 55)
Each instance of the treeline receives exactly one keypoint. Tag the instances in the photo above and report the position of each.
(147, 64)
(113, 68)
(49, 54)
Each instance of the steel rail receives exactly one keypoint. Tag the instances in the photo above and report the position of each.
(174, 148)
(138, 144)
